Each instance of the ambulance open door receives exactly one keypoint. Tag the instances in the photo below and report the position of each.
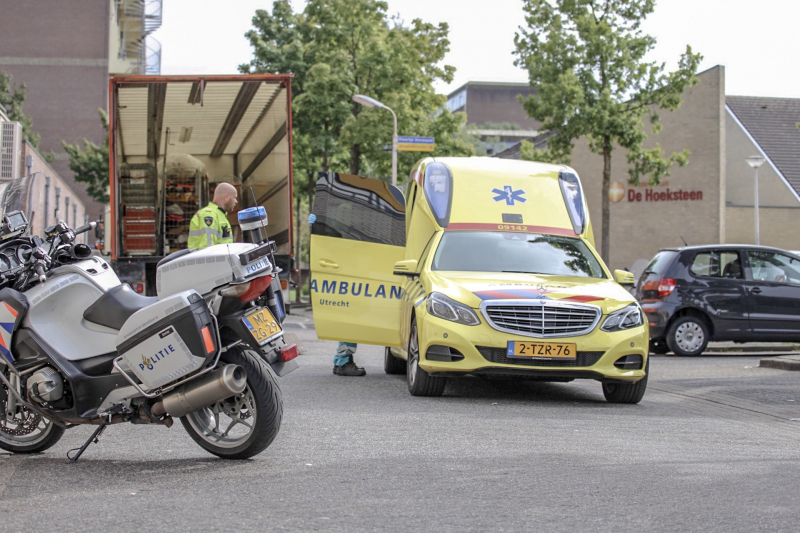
(357, 237)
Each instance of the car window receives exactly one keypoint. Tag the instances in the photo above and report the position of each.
(660, 262)
(771, 266)
(360, 209)
(717, 264)
(494, 251)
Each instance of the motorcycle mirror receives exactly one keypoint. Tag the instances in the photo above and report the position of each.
(81, 251)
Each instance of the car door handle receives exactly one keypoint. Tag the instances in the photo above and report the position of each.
(756, 290)
(327, 263)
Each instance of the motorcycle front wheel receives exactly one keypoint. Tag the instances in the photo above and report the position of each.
(244, 425)
(24, 431)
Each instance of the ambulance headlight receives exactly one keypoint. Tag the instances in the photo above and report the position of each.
(627, 318)
(573, 198)
(441, 306)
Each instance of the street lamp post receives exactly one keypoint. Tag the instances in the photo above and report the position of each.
(756, 161)
(371, 102)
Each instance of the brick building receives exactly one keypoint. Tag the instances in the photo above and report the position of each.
(64, 52)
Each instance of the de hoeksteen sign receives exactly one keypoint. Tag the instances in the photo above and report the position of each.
(663, 193)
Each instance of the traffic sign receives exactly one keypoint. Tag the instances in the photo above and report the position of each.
(415, 144)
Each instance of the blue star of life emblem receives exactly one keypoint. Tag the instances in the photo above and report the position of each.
(509, 195)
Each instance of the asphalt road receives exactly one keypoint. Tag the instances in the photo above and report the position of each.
(712, 447)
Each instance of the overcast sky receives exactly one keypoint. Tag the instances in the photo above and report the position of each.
(755, 41)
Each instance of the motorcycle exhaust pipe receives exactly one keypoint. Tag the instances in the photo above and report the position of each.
(202, 392)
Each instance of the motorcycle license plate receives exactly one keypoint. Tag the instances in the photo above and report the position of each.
(542, 350)
(262, 325)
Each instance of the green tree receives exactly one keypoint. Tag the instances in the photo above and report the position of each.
(90, 164)
(13, 98)
(586, 59)
(338, 48)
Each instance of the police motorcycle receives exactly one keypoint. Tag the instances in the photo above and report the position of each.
(79, 347)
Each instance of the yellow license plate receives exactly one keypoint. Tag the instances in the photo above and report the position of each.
(542, 350)
(262, 325)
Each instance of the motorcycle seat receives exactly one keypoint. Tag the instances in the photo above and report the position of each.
(117, 305)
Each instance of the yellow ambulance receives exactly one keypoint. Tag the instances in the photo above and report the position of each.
(485, 267)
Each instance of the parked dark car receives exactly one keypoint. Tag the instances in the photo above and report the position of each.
(720, 292)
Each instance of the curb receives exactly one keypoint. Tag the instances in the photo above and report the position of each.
(780, 363)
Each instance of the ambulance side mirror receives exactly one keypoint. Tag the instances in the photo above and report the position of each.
(623, 277)
(406, 268)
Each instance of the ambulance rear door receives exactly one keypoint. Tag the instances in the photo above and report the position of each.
(357, 237)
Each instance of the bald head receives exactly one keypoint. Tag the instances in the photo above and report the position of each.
(225, 196)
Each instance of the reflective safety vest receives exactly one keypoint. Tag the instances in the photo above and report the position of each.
(209, 226)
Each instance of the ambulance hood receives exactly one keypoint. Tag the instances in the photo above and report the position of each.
(472, 288)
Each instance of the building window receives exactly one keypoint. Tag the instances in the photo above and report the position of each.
(458, 101)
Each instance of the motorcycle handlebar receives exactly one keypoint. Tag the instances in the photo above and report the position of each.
(86, 227)
(40, 272)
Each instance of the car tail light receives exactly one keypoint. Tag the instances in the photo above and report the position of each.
(665, 287)
(289, 352)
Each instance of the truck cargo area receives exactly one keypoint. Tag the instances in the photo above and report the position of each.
(172, 140)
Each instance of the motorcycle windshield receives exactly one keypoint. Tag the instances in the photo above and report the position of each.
(15, 195)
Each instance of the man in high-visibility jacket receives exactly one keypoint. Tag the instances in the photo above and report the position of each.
(210, 224)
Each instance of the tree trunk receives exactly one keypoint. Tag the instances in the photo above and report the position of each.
(297, 252)
(355, 153)
(606, 205)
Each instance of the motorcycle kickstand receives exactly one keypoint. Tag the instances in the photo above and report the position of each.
(95, 438)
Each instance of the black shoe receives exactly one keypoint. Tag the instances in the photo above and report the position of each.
(349, 369)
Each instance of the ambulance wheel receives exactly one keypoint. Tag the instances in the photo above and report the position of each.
(627, 392)
(244, 425)
(391, 364)
(420, 383)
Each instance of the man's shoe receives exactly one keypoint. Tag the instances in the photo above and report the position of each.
(349, 369)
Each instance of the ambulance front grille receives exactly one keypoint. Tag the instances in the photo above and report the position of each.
(544, 318)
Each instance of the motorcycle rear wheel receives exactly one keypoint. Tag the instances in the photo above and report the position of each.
(244, 425)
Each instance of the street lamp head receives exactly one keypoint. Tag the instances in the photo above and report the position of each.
(755, 161)
(366, 101)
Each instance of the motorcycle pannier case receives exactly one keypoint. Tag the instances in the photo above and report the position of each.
(169, 339)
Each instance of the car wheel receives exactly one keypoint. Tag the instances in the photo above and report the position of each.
(391, 364)
(659, 346)
(627, 392)
(420, 383)
(688, 336)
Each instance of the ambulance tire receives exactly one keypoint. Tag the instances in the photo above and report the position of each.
(420, 383)
(393, 365)
(627, 392)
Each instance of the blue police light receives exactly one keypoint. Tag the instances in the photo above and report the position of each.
(438, 187)
(252, 215)
(573, 197)
(252, 221)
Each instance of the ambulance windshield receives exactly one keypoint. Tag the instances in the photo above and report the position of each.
(533, 253)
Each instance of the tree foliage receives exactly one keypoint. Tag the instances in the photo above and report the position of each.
(90, 164)
(586, 59)
(13, 98)
(338, 48)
